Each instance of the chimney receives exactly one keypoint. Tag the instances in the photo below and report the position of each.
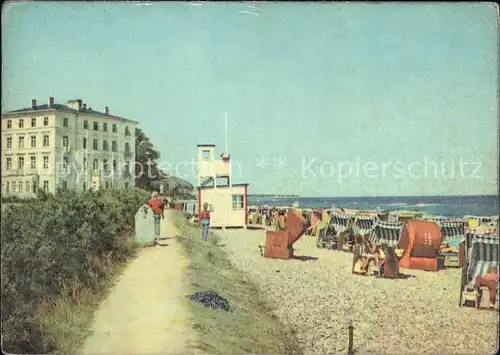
(51, 101)
(33, 103)
(84, 106)
(106, 110)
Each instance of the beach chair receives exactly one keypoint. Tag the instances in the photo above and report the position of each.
(340, 228)
(387, 234)
(481, 254)
(321, 229)
(363, 225)
(453, 234)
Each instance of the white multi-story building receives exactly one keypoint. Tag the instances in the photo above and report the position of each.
(70, 146)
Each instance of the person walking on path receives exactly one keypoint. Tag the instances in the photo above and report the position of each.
(157, 206)
(205, 221)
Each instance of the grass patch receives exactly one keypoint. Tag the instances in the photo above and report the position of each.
(250, 327)
(66, 320)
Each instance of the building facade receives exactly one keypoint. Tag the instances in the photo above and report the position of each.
(54, 146)
(228, 201)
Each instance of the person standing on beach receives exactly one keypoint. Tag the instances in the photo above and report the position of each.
(157, 205)
(205, 222)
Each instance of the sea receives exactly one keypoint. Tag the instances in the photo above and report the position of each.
(445, 206)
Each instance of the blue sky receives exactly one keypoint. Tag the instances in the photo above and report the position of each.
(314, 86)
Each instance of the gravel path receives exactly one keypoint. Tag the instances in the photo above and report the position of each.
(320, 297)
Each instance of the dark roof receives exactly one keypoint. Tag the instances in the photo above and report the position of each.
(65, 108)
(206, 145)
(222, 187)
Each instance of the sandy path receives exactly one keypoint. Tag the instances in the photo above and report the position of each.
(145, 312)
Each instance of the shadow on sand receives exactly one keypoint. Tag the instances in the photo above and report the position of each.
(401, 277)
(304, 258)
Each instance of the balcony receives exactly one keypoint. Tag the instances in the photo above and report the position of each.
(14, 172)
(213, 167)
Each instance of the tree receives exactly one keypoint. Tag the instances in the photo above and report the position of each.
(146, 167)
(150, 177)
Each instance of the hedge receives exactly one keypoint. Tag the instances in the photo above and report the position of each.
(54, 241)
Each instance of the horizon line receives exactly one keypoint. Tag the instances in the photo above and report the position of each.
(381, 196)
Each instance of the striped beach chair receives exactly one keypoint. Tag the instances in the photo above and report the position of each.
(363, 225)
(453, 235)
(382, 232)
(339, 228)
(386, 232)
(481, 253)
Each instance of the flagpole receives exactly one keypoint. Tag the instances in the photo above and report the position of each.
(227, 151)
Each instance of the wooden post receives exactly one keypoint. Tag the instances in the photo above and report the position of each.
(350, 350)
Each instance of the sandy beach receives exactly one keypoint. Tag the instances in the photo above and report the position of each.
(319, 297)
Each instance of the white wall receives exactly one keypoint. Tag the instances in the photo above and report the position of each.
(224, 215)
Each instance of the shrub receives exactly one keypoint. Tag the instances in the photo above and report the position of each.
(58, 240)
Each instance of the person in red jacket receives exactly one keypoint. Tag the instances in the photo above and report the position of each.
(205, 221)
(157, 206)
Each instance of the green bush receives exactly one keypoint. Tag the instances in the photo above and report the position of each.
(54, 241)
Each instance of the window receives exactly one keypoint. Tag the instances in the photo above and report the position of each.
(84, 186)
(9, 123)
(127, 148)
(113, 146)
(33, 162)
(106, 185)
(105, 145)
(46, 185)
(65, 122)
(21, 142)
(8, 163)
(238, 202)
(127, 132)
(105, 165)
(7, 187)
(64, 185)
(21, 123)
(126, 185)
(65, 162)
(105, 127)
(28, 186)
(33, 141)
(45, 140)
(9, 142)
(84, 143)
(21, 186)
(95, 144)
(85, 163)
(96, 126)
(65, 142)
(205, 154)
(20, 163)
(114, 128)
(45, 162)
(85, 124)
(115, 165)
(14, 186)
(45, 121)
(33, 122)
(34, 187)
(95, 164)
